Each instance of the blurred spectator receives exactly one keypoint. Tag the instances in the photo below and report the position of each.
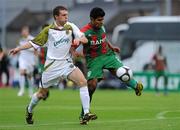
(27, 63)
(160, 66)
(148, 67)
(4, 66)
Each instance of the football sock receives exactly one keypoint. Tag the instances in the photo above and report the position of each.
(91, 92)
(85, 100)
(132, 83)
(30, 82)
(33, 102)
(22, 83)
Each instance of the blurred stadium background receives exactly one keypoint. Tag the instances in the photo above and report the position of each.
(126, 25)
(137, 41)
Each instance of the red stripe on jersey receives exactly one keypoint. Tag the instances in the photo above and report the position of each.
(94, 51)
(94, 47)
(86, 27)
(103, 44)
(94, 39)
(42, 55)
(104, 50)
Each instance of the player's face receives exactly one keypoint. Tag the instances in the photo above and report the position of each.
(25, 32)
(98, 22)
(62, 18)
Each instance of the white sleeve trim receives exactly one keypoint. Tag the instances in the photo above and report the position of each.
(34, 45)
(76, 31)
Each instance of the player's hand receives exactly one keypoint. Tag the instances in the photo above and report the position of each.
(77, 54)
(14, 51)
(116, 49)
(76, 42)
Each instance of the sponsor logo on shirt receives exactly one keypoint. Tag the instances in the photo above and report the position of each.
(61, 42)
(96, 41)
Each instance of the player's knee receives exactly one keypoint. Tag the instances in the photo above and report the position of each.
(83, 82)
(43, 94)
(46, 95)
(92, 84)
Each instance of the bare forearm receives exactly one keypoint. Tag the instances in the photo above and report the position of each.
(83, 40)
(109, 44)
(17, 49)
(25, 46)
(115, 49)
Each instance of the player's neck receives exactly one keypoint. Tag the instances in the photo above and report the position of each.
(25, 36)
(58, 24)
(94, 27)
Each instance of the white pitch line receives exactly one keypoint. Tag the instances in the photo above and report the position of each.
(162, 114)
(95, 122)
(77, 107)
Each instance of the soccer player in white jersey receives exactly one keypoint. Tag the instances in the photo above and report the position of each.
(26, 62)
(58, 37)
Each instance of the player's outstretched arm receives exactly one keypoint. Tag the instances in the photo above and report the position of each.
(114, 48)
(19, 48)
(82, 40)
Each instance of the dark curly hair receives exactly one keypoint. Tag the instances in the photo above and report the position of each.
(97, 12)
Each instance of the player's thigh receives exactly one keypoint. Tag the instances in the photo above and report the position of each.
(95, 68)
(22, 71)
(77, 76)
(42, 92)
(48, 80)
(25, 67)
(56, 69)
(112, 62)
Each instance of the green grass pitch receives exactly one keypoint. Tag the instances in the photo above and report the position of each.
(116, 110)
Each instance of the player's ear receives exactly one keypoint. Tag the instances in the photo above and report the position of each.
(92, 19)
(55, 17)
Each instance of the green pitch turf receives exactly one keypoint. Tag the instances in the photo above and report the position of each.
(116, 110)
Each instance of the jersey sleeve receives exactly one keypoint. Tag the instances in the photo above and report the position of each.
(103, 28)
(76, 31)
(41, 38)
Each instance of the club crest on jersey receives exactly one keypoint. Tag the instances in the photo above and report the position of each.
(67, 27)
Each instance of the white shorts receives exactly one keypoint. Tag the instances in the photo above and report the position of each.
(25, 65)
(54, 71)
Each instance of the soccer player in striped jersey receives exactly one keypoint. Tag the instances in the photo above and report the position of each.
(58, 38)
(100, 54)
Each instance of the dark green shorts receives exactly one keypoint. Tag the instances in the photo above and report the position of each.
(160, 73)
(95, 66)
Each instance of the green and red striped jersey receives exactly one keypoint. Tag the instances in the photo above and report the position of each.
(97, 42)
(42, 56)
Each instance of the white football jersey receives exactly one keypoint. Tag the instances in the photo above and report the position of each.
(58, 40)
(27, 55)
